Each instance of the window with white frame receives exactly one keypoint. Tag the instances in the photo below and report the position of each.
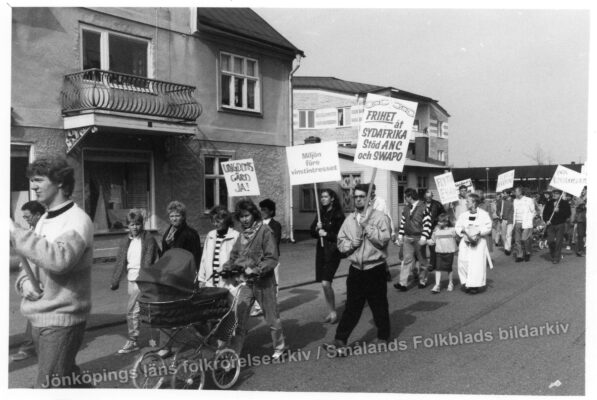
(402, 183)
(308, 200)
(114, 182)
(306, 119)
(215, 189)
(115, 52)
(441, 156)
(240, 85)
(343, 116)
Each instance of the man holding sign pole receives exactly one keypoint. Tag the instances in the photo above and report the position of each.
(364, 237)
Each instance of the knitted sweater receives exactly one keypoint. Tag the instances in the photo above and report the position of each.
(60, 252)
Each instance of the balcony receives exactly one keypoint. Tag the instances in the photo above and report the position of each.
(95, 90)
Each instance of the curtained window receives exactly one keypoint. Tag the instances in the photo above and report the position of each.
(115, 183)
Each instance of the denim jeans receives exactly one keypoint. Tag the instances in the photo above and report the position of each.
(555, 240)
(28, 346)
(265, 295)
(413, 252)
(57, 348)
(132, 310)
(523, 244)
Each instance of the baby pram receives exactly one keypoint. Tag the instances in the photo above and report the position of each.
(171, 299)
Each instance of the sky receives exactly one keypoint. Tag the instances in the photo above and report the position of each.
(515, 82)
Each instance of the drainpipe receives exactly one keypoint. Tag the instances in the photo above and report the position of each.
(291, 119)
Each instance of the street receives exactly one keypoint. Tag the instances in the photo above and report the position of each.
(524, 335)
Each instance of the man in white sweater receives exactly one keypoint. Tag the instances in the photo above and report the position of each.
(524, 212)
(60, 252)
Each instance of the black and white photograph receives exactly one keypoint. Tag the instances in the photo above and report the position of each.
(318, 198)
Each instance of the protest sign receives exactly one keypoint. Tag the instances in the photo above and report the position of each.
(311, 163)
(446, 188)
(468, 183)
(568, 181)
(241, 178)
(505, 181)
(384, 132)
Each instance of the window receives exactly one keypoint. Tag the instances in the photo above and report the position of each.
(421, 186)
(308, 200)
(115, 52)
(416, 125)
(344, 116)
(402, 183)
(215, 191)
(349, 181)
(441, 156)
(114, 182)
(239, 83)
(306, 119)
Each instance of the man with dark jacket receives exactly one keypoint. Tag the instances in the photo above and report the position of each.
(434, 208)
(555, 214)
(504, 211)
(415, 229)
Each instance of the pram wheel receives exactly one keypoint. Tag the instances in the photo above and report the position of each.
(188, 375)
(226, 368)
(150, 371)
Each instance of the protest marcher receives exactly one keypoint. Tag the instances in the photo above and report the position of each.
(138, 250)
(32, 212)
(255, 252)
(555, 214)
(60, 253)
(415, 229)
(488, 206)
(179, 235)
(435, 209)
(581, 222)
(217, 247)
(364, 238)
(504, 211)
(268, 212)
(327, 256)
(443, 239)
(459, 206)
(524, 213)
(473, 256)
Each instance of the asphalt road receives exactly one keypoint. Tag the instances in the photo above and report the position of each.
(450, 343)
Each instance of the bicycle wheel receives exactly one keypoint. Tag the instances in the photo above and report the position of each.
(226, 368)
(188, 375)
(149, 371)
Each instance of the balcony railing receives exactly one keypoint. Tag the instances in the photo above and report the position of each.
(95, 89)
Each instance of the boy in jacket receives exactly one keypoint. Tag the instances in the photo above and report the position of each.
(138, 250)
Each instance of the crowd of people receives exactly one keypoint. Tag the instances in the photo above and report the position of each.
(55, 283)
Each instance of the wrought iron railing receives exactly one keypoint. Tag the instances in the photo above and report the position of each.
(95, 89)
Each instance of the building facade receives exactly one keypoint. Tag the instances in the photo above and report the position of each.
(327, 108)
(146, 103)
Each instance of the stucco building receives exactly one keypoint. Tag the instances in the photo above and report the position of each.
(145, 103)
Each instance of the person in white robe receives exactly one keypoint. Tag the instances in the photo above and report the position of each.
(473, 257)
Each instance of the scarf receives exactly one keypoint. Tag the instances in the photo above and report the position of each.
(170, 238)
(248, 234)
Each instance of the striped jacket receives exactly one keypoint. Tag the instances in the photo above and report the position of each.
(415, 222)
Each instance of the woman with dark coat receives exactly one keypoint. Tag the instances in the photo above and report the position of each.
(179, 235)
(327, 256)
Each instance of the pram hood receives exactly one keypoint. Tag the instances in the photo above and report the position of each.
(172, 277)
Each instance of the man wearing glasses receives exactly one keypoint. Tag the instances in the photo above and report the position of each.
(364, 238)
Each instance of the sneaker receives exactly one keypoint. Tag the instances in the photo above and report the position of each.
(129, 347)
(450, 287)
(278, 354)
(338, 346)
(435, 289)
(256, 312)
(422, 285)
(21, 355)
(164, 353)
(567, 247)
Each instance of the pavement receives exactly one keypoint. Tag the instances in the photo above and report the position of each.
(451, 343)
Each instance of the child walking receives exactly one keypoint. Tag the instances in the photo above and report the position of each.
(444, 237)
(138, 250)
